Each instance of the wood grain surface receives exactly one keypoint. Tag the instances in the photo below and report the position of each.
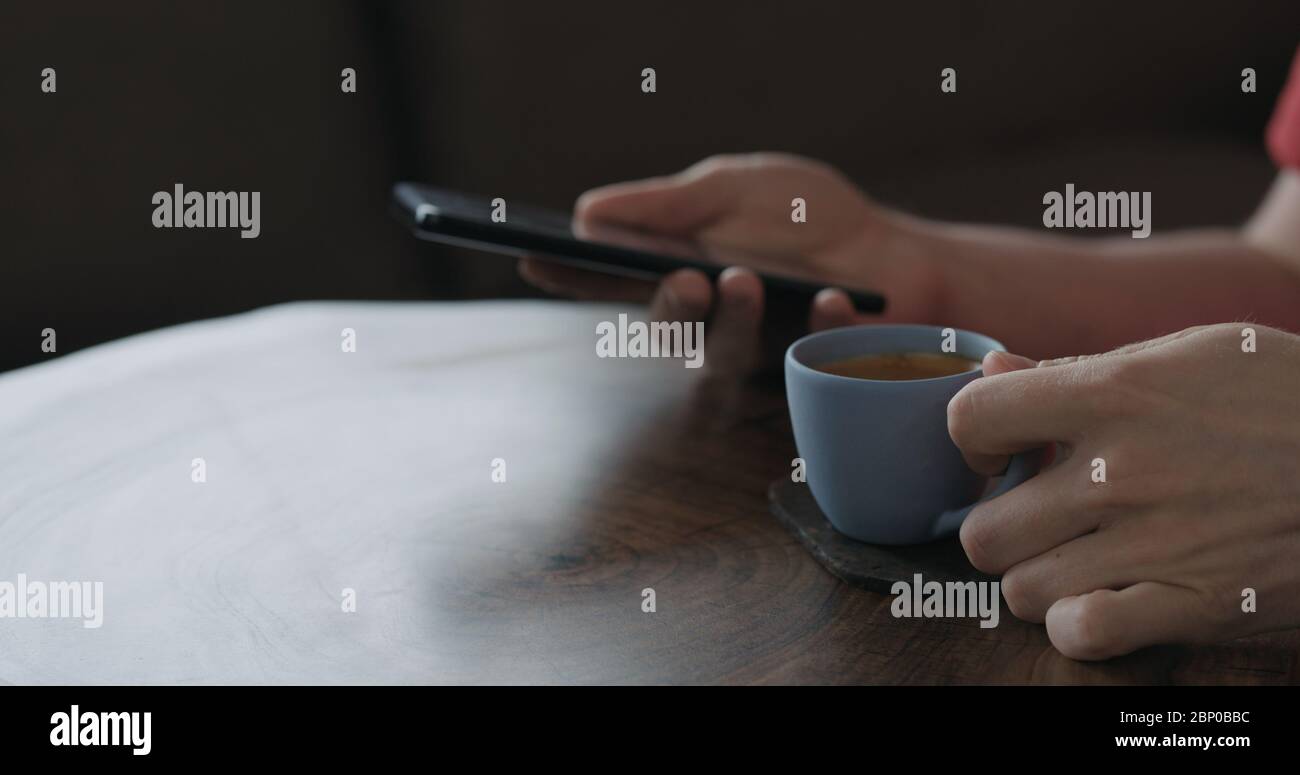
(372, 471)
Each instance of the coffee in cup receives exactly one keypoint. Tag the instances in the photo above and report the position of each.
(900, 366)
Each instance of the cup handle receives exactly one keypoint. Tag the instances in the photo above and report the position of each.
(1024, 466)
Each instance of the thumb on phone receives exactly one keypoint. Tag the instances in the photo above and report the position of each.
(678, 205)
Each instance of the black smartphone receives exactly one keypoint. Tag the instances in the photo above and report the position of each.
(466, 220)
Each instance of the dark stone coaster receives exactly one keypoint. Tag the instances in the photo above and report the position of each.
(872, 566)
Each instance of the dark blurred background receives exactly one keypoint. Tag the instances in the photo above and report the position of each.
(539, 101)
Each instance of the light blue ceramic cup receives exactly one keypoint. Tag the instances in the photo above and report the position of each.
(877, 453)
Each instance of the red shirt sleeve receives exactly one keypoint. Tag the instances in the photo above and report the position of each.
(1284, 128)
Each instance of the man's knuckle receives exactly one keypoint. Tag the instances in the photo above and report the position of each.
(1093, 625)
(1019, 593)
(976, 536)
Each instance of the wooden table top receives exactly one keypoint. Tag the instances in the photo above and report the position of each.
(372, 471)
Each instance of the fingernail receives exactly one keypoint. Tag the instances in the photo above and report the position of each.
(1009, 361)
(728, 273)
(826, 295)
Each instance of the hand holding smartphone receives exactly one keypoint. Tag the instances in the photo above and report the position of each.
(466, 220)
